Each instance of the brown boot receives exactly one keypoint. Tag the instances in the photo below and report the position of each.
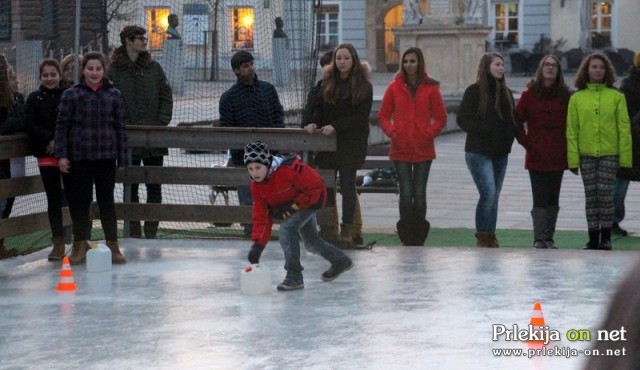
(58, 251)
(493, 241)
(79, 252)
(116, 256)
(483, 240)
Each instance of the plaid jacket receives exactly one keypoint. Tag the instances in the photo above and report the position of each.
(90, 124)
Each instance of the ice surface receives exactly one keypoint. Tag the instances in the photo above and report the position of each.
(177, 304)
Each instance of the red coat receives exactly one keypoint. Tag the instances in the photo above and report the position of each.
(291, 182)
(414, 120)
(545, 138)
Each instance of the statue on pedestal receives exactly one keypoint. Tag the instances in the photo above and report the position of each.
(474, 15)
(412, 13)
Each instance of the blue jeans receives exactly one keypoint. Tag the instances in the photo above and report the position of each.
(620, 187)
(488, 175)
(412, 181)
(303, 224)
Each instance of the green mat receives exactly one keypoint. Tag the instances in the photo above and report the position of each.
(461, 237)
(445, 237)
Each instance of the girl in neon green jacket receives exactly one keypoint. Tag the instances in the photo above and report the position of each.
(598, 142)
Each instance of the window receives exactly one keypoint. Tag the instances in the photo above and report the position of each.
(601, 24)
(242, 25)
(506, 25)
(157, 26)
(328, 26)
(5, 20)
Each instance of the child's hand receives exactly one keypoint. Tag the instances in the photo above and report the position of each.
(284, 212)
(256, 251)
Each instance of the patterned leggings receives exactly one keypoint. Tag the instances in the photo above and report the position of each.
(598, 176)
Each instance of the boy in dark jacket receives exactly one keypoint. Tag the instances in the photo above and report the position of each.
(289, 190)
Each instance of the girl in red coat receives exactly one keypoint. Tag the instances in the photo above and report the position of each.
(412, 114)
(542, 114)
(289, 190)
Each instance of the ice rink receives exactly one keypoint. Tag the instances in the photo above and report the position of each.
(177, 304)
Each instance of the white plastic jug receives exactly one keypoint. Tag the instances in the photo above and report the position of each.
(99, 258)
(255, 279)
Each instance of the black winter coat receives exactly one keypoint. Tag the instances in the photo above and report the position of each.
(631, 88)
(41, 112)
(351, 123)
(491, 136)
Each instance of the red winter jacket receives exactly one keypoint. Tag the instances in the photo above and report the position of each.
(414, 120)
(292, 181)
(545, 138)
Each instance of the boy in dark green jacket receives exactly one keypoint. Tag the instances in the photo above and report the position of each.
(148, 101)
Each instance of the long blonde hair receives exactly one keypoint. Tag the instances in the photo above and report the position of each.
(356, 81)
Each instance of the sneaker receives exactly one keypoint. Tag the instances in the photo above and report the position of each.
(287, 285)
(617, 230)
(333, 272)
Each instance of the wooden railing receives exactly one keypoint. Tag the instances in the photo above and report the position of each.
(210, 138)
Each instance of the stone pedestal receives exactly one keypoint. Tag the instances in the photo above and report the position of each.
(451, 51)
(28, 56)
(172, 62)
(281, 59)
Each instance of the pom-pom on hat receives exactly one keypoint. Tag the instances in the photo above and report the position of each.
(240, 58)
(257, 152)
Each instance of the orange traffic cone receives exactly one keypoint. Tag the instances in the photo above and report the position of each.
(537, 321)
(66, 283)
(536, 317)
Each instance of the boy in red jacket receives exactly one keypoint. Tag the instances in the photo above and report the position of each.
(289, 190)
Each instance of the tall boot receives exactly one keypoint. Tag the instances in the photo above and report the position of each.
(483, 239)
(605, 239)
(58, 250)
(552, 218)
(345, 241)
(594, 239)
(539, 216)
(116, 256)
(79, 252)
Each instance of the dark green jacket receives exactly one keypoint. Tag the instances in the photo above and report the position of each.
(147, 94)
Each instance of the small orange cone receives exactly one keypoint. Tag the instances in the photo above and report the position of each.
(536, 317)
(537, 321)
(66, 283)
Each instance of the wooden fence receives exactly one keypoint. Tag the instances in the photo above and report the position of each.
(200, 138)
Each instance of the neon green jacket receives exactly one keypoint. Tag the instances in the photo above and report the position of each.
(598, 125)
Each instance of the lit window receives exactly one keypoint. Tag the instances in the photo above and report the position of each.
(506, 24)
(157, 24)
(242, 24)
(601, 24)
(328, 26)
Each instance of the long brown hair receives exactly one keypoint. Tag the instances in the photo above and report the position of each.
(582, 76)
(356, 81)
(6, 92)
(501, 90)
(561, 90)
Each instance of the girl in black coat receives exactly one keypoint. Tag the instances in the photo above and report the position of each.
(41, 114)
(343, 107)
